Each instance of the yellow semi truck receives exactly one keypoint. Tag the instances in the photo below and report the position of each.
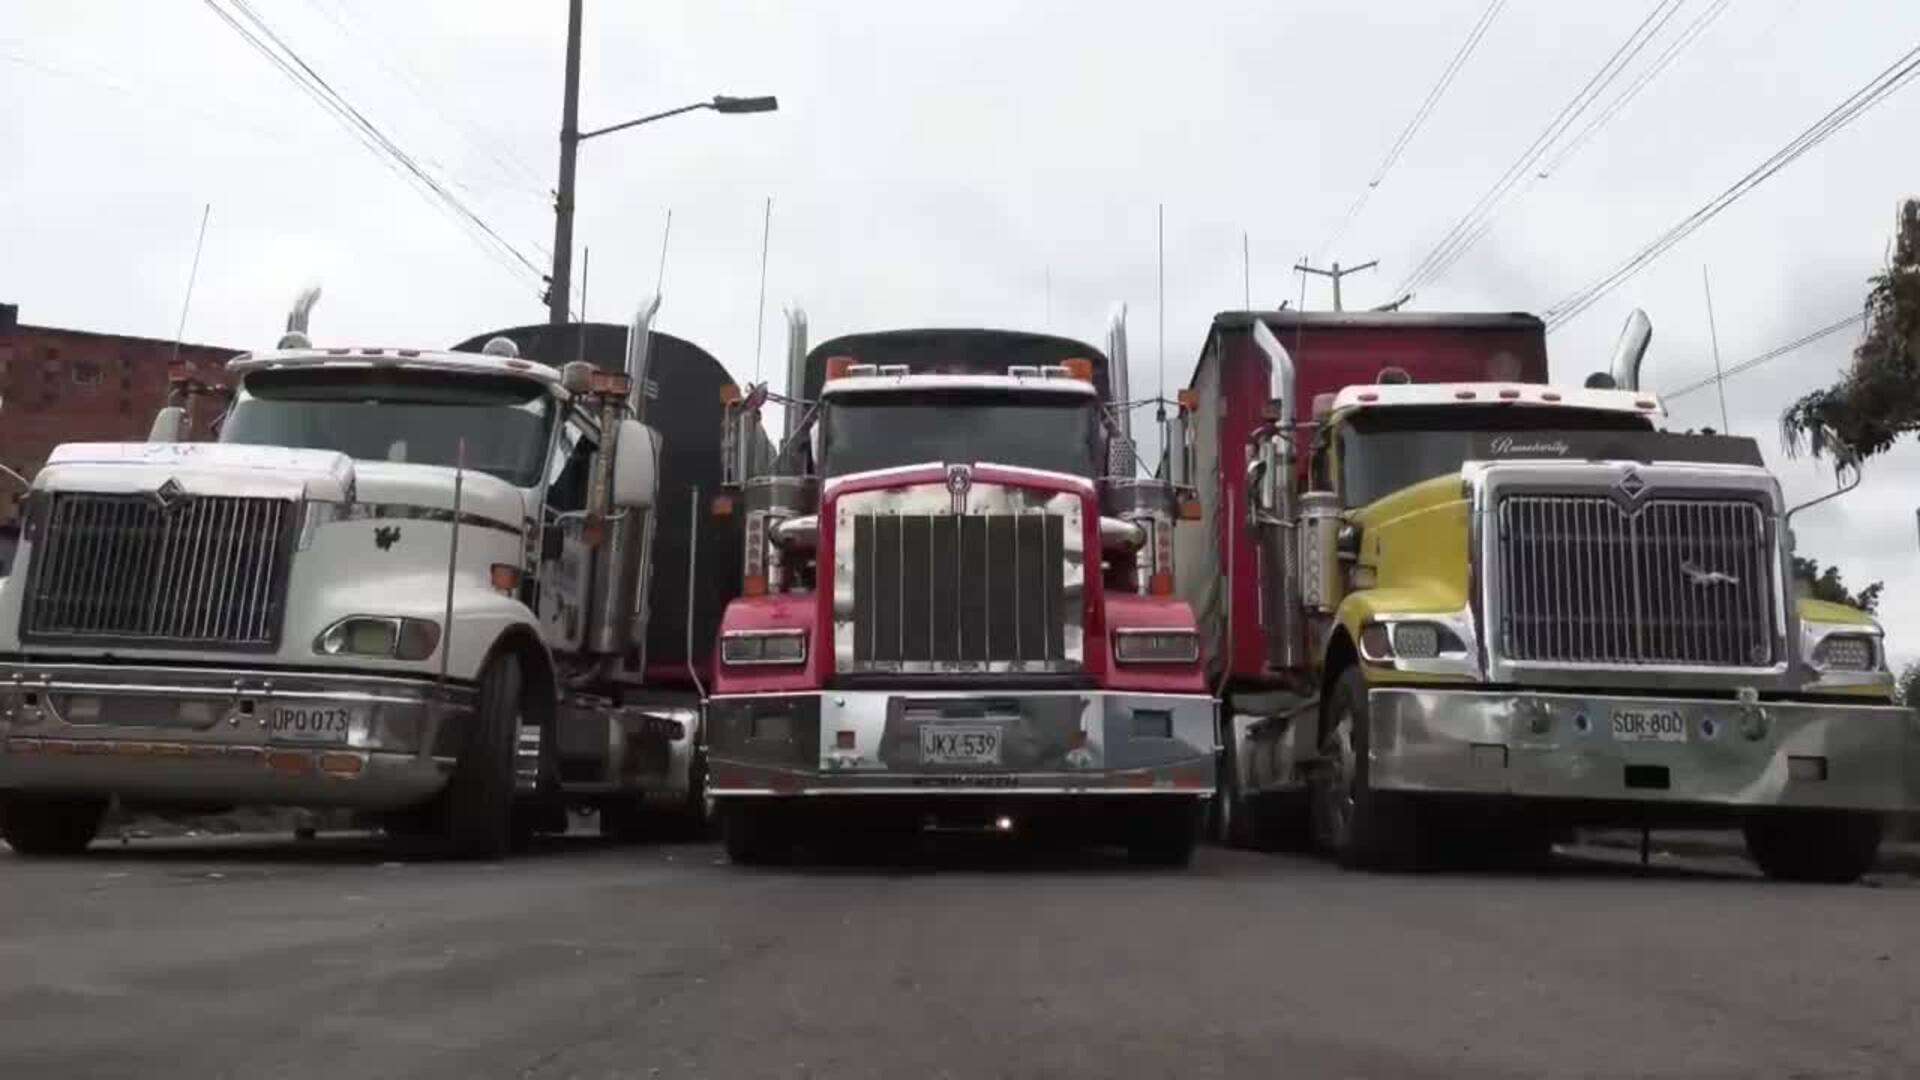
(1451, 609)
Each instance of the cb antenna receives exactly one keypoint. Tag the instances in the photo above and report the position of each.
(187, 301)
(760, 312)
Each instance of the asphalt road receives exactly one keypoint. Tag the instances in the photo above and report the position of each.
(266, 958)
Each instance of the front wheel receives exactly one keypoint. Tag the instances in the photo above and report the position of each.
(1361, 827)
(475, 811)
(36, 827)
(1829, 846)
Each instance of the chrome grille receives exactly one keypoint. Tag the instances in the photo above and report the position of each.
(198, 571)
(1584, 579)
(961, 589)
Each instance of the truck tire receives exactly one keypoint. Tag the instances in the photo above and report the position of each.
(1164, 835)
(1364, 829)
(755, 835)
(1828, 846)
(36, 827)
(476, 809)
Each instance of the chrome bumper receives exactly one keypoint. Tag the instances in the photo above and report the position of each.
(841, 742)
(202, 735)
(1563, 746)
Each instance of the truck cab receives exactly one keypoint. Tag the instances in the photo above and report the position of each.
(391, 585)
(955, 613)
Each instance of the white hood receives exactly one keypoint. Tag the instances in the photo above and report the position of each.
(275, 472)
(431, 486)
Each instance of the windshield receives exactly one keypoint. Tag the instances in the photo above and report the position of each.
(1057, 432)
(419, 417)
(1384, 450)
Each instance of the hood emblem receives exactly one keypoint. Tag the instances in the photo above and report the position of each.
(959, 481)
(1630, 485)
(1697, 576)
(386, 536)
(168, 494)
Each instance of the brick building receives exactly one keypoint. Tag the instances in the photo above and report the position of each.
(59, 385)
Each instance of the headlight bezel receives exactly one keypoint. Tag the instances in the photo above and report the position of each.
(396, 637)
(1139, 645)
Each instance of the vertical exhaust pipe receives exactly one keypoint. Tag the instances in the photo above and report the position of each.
(640, 354)
(1120, 449)
(796, 372)
(1631, 349)
(1277, 538)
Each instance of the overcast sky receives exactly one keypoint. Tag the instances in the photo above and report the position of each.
(941, 163)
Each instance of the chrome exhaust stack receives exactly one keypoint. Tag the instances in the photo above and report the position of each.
(1275, 515)
(1631, 349)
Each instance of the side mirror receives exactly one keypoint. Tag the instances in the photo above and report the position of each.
(169, 425)
(636, 466)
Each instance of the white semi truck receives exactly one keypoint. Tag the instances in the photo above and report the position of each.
(413, 583)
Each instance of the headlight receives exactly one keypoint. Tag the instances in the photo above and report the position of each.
(388, 636)
(1156, 646)
(1844, 652)
(764, 647)
(1409, 640)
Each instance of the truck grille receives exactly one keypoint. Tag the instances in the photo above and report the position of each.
(202, 571)
(961, 589)
(1677, 581)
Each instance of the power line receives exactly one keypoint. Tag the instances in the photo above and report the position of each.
(1477, 220)
(263, 40)
(1850, 322)
(1878, 89)
(1414, 124)
(510, 170)
(1672, 52)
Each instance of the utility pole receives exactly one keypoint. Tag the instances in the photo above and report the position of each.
(559, 283)
(1335, 274)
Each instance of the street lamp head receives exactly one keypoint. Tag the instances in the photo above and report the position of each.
(725, 104)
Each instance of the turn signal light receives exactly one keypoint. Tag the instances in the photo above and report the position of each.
(1189, 399)
(504, 577)
(1079, 367)
(839, 366)
(729, 394)
(1190, 510)
(843, 740)
(722, 506)
(1161, 584)
(754, 585)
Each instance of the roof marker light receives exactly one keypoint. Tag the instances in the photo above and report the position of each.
(1464, 395)
(1509, 393)
(1078, 367)
(1645, 403)
(837, 366)
(1369, 395)
(1550, 395)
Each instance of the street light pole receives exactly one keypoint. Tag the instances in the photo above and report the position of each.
(559, 283)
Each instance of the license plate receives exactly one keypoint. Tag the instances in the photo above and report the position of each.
(1649, 725)
(956, 744)
(310, 724)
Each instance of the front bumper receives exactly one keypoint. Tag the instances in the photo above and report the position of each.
(840, 742)
(1718, 752)
(211, 736)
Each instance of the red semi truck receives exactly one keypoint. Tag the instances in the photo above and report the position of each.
(957, 607)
